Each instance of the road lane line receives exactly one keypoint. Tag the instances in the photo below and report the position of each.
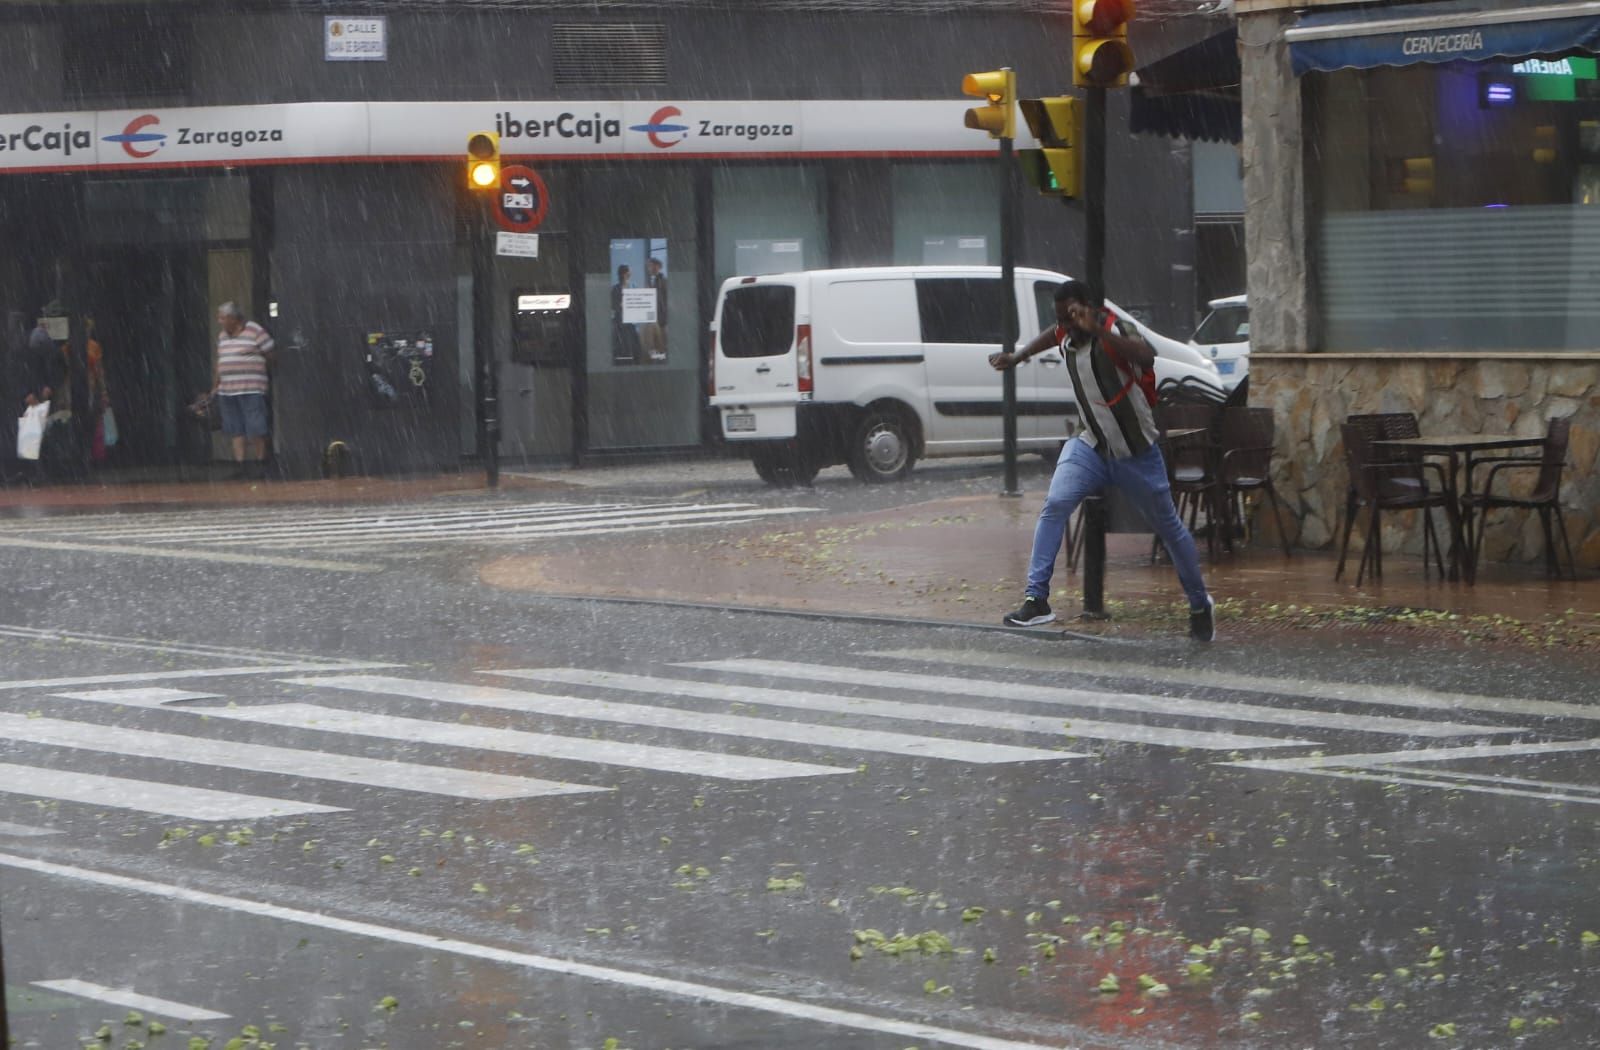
(282, 761)
(1097, 701)
(1051, 725)
(190, 554)
(1411, 696)
(692, 991)
(1415, 756)
(1443, 785)
(169, 676)
(853, 740)
(168, 526)
(272, 535)
(146, 796)
(111, 641)
(25, 831)
(153, 696)
(148, 1004)
(515, 741)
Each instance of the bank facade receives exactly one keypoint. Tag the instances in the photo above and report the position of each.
(159, 159)
(1424, 188)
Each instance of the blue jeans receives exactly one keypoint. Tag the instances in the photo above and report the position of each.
(1080, 472)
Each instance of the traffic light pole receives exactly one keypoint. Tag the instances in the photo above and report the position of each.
(1008, 266)
(1094, 235)
(483, 342)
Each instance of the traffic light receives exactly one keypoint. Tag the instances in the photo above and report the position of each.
(483, 160)
(999, 117)
(1100, 53)
(1056, 168)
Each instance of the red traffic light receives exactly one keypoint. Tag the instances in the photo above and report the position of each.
(1102, 17)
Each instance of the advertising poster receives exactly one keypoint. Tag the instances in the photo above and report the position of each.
(639, 301)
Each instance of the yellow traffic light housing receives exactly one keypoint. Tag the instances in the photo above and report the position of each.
(1101, 56)
(999, 117)
(1056, 167)
(483, 161)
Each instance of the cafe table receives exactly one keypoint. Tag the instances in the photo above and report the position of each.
(1461, 451)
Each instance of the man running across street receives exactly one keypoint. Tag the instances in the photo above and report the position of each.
(1117, 448)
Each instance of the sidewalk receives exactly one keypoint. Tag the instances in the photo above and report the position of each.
(964, 560)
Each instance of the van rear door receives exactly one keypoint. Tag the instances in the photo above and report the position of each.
(756, 373)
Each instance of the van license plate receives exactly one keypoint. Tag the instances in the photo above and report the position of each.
(740, 421)
(1225, 368)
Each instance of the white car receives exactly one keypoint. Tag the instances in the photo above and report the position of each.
(1224, 337)
(877, 367)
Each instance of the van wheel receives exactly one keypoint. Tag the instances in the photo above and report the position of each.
(883, 447)
(786, 469)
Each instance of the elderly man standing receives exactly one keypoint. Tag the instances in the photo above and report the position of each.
(239, 383)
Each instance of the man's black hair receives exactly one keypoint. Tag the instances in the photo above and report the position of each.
(1078, 290)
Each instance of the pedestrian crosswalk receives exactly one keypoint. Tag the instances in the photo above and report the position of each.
(307, 533)
(367, 730)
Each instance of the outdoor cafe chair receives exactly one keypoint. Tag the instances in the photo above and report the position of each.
(1245, 442)
(1378, 484)
(1545, 497)
(1191, 465)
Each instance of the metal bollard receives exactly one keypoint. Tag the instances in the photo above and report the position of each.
(1094, 558)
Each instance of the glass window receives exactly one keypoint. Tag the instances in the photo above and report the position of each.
(642, 336)
(758, 321)
(769, 219)
(946, 214)
(1225, 324)
(1455, 206)
(961, 309)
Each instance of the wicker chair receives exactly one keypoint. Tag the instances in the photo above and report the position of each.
(1545, 498)
(1379, 483)
(1245, 441)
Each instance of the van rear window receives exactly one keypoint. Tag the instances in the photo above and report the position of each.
(758, 321)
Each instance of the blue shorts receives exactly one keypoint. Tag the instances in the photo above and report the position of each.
(243, 415)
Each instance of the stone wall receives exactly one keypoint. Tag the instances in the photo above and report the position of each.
(1311, 394)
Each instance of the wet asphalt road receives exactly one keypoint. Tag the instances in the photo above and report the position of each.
(406, 846)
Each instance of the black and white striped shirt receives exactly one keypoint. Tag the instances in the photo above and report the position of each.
(1117, 417)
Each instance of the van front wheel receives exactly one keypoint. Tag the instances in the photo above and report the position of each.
(883, 448)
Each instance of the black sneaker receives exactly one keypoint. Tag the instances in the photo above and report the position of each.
(1034, 612)
(1203, 622)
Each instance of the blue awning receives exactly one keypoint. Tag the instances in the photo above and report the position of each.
(1452, 32)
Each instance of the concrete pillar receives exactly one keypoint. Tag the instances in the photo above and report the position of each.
(1274, 188)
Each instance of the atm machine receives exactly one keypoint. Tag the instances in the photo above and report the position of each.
(536, 375)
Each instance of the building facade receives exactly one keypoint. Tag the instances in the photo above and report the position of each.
(158, 159)
(1421, 180)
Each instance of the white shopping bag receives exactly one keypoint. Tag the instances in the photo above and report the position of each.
(30, 430)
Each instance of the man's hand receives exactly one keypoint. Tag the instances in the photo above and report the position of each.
(30, 400)
(1085, 319)
(1002, 361)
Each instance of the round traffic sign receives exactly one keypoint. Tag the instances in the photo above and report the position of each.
(523, 199)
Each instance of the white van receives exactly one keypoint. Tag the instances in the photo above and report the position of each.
(878, 367)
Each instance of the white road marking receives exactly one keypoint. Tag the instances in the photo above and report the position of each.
(148, 1004)
(147, 696)
(291, 762)
(24, 831)
(169, 676)
(853, 740)
(514, 741)
(191, 554)
(234, 653)
(172, 800)
(1097, 701)
(1051, 725)
(1398, 767)
(694, 993)
(1410, 696)
(183, 526)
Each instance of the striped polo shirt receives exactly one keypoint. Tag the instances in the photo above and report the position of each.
(241, 360)
(1117, 417)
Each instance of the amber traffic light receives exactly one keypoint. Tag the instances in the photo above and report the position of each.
(999, 116)
(483, 160)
